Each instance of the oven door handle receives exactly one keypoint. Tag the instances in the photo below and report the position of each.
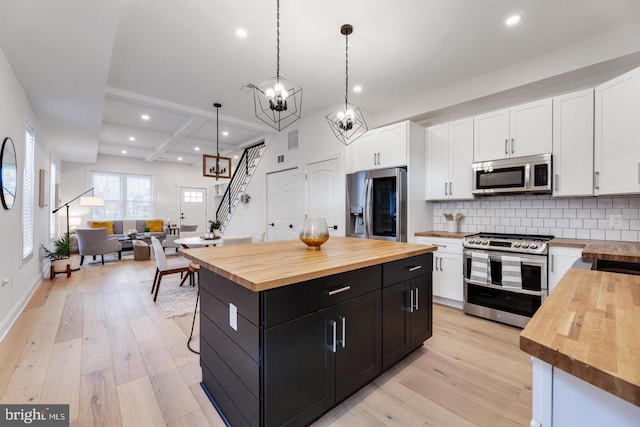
(542, 292)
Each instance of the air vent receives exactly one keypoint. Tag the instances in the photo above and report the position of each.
(281, 158)
(293, 139)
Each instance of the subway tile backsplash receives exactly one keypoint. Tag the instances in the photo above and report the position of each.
(578, 218)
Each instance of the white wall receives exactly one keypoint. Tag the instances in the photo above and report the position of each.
(316, 142)
(167, 180)
(15, 111)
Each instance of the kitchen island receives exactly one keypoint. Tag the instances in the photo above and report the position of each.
(286, 334)
(585, 342)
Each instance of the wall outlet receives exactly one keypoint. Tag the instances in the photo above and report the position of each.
(615, 221)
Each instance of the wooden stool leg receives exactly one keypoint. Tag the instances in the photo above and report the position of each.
(68, 270)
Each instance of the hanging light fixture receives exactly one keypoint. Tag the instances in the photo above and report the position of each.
(347, 123)
(278, 102)
(217, 105)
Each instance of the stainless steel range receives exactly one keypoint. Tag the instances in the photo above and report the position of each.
(505, 276)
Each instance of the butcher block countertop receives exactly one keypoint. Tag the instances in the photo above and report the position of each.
(590, 327)
(575, 243)
(263, 266)
(613, 251)
(445, 234)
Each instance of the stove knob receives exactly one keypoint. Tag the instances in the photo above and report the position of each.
(525, 245)
(485, 242)
(516, 244)
(533, 245)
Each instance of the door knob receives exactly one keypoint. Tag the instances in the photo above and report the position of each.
(335, 227)
(290, 225)
(273, 224)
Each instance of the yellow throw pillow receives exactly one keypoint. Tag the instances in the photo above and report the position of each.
(103, 224)
(155, 225)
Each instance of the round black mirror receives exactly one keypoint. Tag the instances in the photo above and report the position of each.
(8, 173)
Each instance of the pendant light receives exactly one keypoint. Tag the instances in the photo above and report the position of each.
(347, 123)
(278, 102)
(217, 105)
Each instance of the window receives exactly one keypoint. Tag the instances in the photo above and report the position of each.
(125, 195)
(52, 201)
(193, 196)
(27, 195)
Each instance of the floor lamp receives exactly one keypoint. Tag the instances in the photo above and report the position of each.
(84, 201)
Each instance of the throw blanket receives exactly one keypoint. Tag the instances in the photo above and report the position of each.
(511, 272)
(480, 268)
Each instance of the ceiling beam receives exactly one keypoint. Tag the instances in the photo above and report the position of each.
(191, 125)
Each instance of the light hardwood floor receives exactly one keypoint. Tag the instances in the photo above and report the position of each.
(98, 342)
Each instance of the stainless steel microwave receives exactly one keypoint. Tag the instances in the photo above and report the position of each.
(515, 175)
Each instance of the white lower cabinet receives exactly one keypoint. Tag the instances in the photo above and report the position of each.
(560, 260)
(447, 270)
(563, 400)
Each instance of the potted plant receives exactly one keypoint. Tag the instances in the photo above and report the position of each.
(59, 256)
(214, 228)
(147, 232)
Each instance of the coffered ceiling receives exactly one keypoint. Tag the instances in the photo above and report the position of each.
(91, 69)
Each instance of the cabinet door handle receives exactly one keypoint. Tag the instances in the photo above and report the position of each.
(378, 158)
(596, 180)
(445, 188)
(415, 267)
(506, 146)
(374, 158)
(440, 263)
(553, 258)
(638, 172)
(435, 262)
(451, 188)
(555, 182)
(337, 291)
(513, 145)
(411, 306)
(343, 341)
(333, 343)
(417, 303)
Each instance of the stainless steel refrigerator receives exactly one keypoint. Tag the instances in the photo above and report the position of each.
(377, 204)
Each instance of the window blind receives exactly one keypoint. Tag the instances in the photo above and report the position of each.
(27, 194)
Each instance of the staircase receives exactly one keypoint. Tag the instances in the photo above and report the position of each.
(239, 181)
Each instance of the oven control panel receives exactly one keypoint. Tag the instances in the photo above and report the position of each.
(518, 244)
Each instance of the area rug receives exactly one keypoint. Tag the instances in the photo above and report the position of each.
(173, 299)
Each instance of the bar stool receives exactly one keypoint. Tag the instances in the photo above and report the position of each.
(194, 269)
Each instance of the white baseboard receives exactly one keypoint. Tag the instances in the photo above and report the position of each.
(7, 322)
(448, 302)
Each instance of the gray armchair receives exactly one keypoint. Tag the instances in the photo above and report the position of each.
(96, 241)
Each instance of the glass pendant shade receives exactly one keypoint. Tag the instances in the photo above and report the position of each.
(278, 102)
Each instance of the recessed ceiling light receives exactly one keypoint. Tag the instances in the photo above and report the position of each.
(235, 157)
(513, 20)
(196, 148)
(180, 158)
(145, 117)
(357, 88)
(241, 33)
(225, 133)
(124, 151)
(132, 138)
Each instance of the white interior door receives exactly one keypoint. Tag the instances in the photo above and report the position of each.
(283, 205)
(324, 193)
(193, 207)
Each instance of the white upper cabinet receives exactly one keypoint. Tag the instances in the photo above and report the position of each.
(573, 144)
(380, 148)
(617, 135)
(449, 156)
(521, 130)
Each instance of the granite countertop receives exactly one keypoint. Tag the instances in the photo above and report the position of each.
(263, 266)
(590, 327)
(445, 234)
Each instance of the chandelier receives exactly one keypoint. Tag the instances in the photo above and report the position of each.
(278, 102)
(347, 124)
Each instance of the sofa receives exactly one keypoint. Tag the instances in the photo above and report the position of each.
(120, 227)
